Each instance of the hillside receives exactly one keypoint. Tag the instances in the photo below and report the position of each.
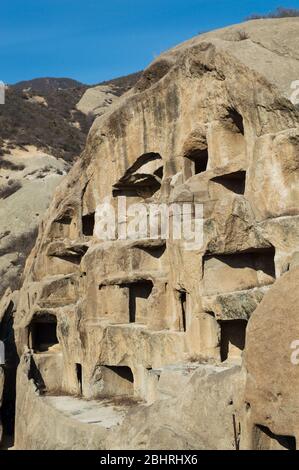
(46, 85)
(48, 121)
(122, 84)
(43, 113)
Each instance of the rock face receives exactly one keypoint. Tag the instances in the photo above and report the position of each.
(29, 175)
(271, 363)
(41, 133)
(27, 182)
(156, 327)
(97, 99)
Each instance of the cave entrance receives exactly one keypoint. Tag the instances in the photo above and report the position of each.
(79, 377)
(232, 339)
(238, 271)
(237, 120)
(43, 333)
(139, 292)
(88, 222)
(234, 182)
(183, 310)
(143, 179)
(264, 439)
(61, 227)
(154, 251)
(196, 161)
(117, 381)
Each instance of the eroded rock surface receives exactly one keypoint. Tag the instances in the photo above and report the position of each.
(27, 183)
(149, 323)
(270, 404)
(97, 99)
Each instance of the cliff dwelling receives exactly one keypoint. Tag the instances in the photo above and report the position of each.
(117, 381)
(61, 227)
(198, 161)
(238, 271)
(43, 333)
(88, 222)
(234, 182)
(232, 339)
(79, 377)
(151, 342)
(143, 179)
(139, 293)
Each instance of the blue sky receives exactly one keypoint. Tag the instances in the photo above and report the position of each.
(94, 40)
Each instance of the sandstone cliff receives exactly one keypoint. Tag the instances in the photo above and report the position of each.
(152, 333)
(97, 99)
(41, 133)
(27, 182)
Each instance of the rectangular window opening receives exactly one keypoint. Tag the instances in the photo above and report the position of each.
(88, 222)
(232, 340)
(43, 333)
(139, 293)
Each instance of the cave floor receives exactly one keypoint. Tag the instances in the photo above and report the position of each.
(106, 412)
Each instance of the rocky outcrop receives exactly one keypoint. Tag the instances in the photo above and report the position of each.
(270, 401)
(27, 183)
(97, 99)
(180, 422)
(29, 175)
(41, 133)
(158, 324)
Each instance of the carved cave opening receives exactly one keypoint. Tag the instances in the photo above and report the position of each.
(232, 339)
(154, 251)
(61, 227)
(43, 333)
(143, 179)
(71, 255)
(237, 120)
(117, 381)
(196, 162)
(234, 182)
(79, 376)
(139, 293)
(88, 222)
(183, 309)
(224, 273)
